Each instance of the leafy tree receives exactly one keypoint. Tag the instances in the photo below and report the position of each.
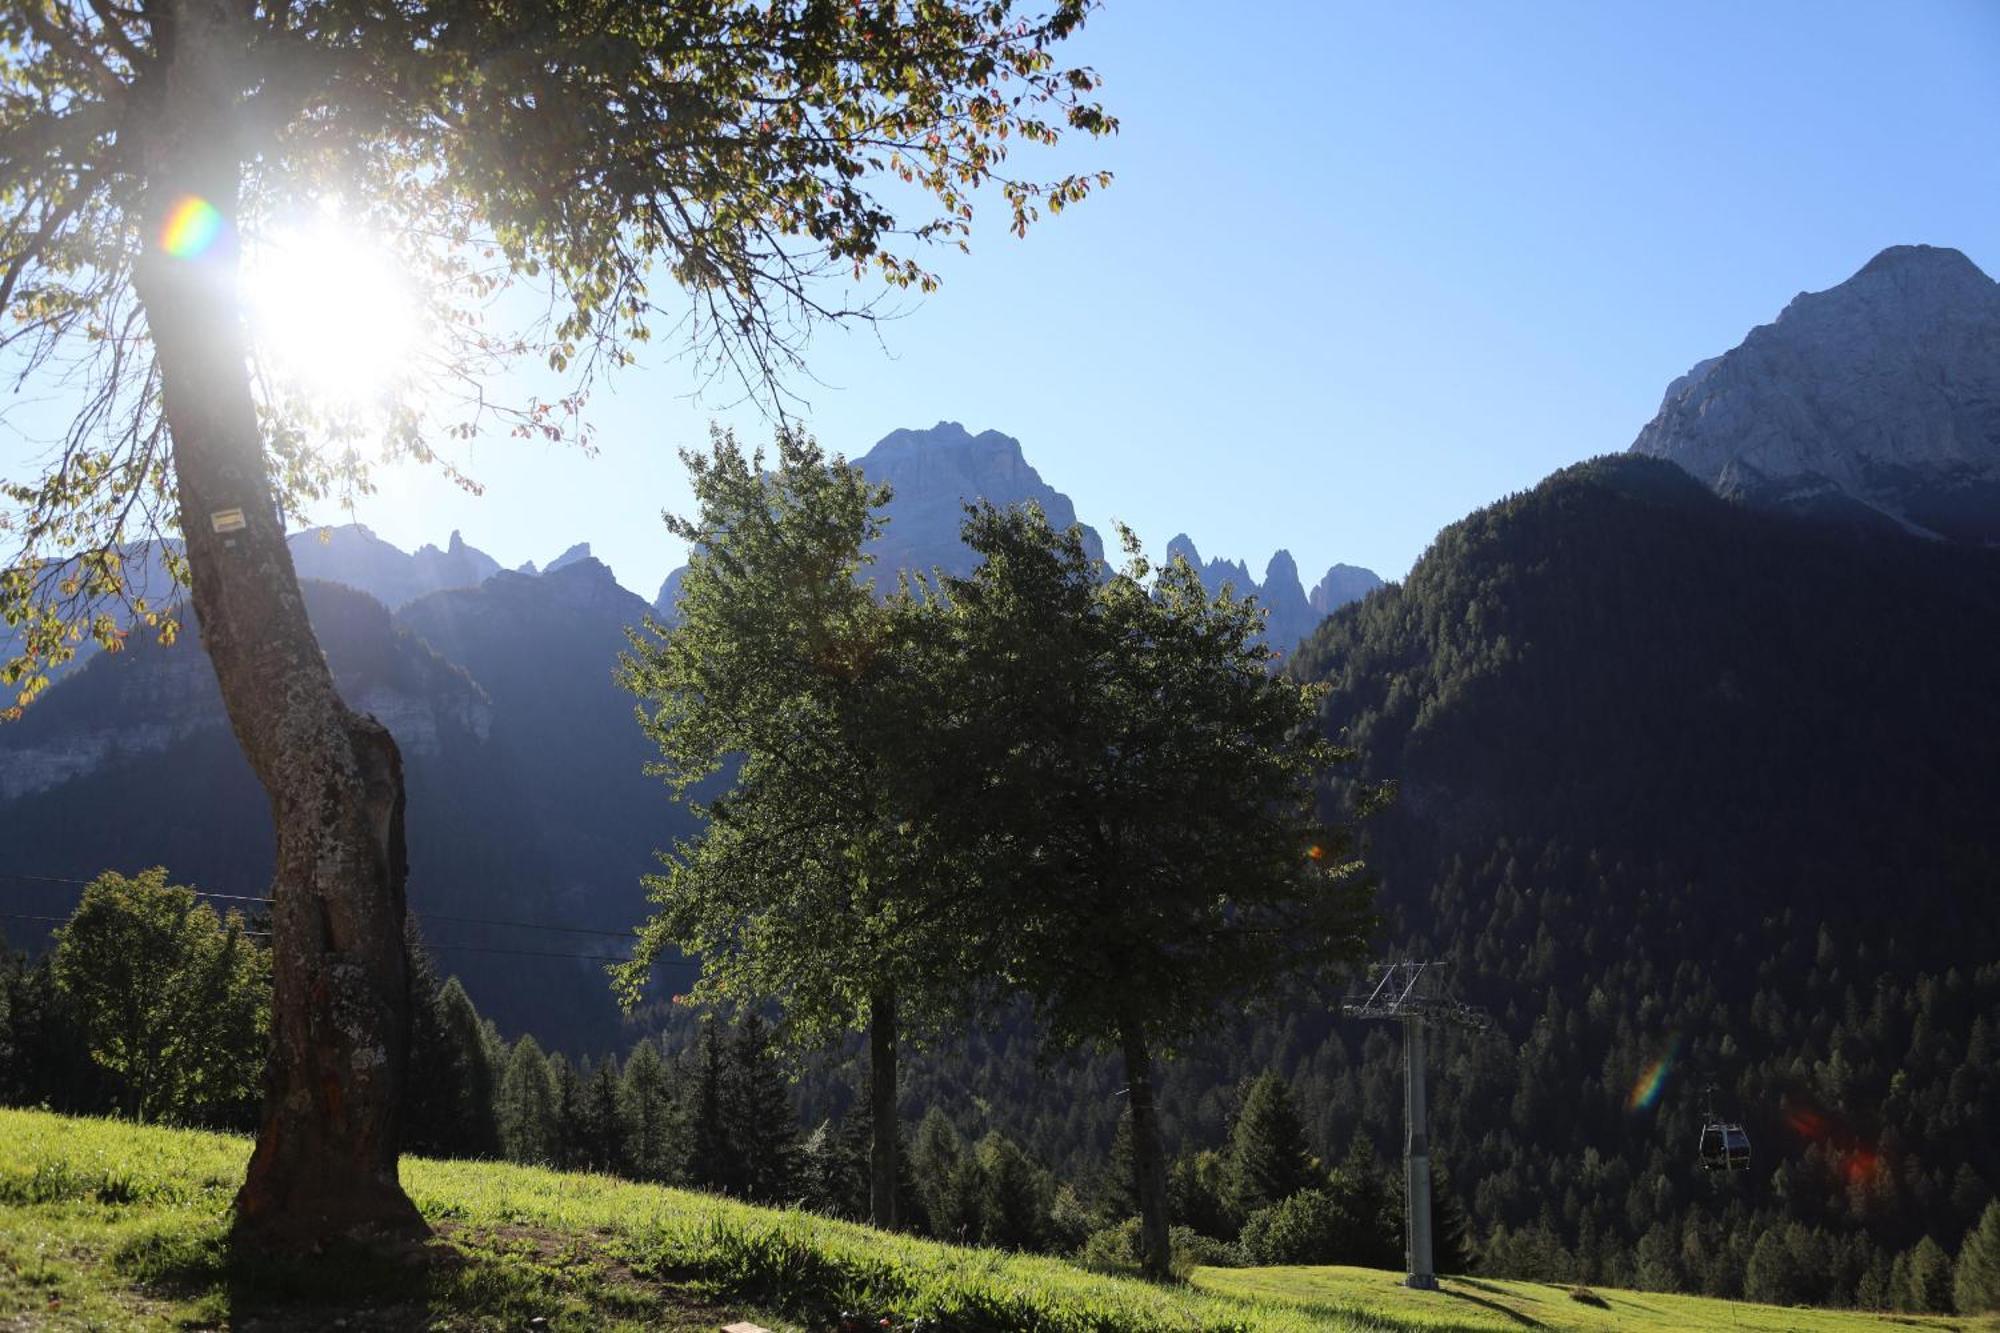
(528, 1106)
(811, 882)
(1975, 1283)
(1198, 1194)
(1268, 1158)
(743, 148)
(1308, 1227)
(172, 999)
(657, 1121)
(1145, 819)
(46, 1057)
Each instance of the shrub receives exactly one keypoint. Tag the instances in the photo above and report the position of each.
(1306, 1228)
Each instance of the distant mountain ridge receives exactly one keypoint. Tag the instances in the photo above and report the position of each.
(1875, 402)
(933, 474)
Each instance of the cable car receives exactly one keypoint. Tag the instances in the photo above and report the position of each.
(1724, 1145)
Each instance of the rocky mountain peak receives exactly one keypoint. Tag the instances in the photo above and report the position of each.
(1283, 571)
(576, 553)
(1875, 401)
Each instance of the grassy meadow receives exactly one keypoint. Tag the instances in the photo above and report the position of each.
(105, 1225)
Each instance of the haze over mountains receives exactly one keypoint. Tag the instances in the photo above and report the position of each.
(528, 800)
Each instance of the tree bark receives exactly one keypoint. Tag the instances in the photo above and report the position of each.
(1149, 1163)
(325, 1160)
(882, 1108)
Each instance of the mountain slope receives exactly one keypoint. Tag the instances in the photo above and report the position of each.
(527, 799)
(1876, 401)
(1681, 781)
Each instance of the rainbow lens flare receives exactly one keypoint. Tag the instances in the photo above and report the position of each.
(191, 228)
(1651, 1080)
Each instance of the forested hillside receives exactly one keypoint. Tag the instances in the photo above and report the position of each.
(1679, 781)
(1681, 787)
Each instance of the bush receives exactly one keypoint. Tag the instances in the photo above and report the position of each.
(1115, 1249)
(1306, 1228)
(1192, 1249)
(1112, 1249)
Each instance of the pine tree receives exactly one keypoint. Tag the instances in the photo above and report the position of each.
(714, 1163)
(760, 1121)
(833, 1168)
(569, 1132)
(1924, 1283)
(1268, 1158)
(1976, 1277)
(1451, 1228)
(604, 1132)
(935, 1158)
(471, 1041)
(1371, 1209)
(656, 1121)
(1116, 1194)
(528, 1106)
(1013, 1202)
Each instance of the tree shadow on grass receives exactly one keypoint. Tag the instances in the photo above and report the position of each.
(395, 1286)
(1526, 1321)
(508, 1279)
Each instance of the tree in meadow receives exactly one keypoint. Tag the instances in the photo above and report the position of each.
(1140, 808)
(172, 999)
(814, 882)
(742, 152)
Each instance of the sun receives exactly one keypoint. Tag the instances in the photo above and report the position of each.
(333, 316)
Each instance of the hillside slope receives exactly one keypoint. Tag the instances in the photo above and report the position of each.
(1684, 782)
(110, 1225)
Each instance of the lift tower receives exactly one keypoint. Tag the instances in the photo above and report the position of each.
(1413, 994)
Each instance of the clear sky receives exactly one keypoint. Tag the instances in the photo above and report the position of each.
(1365, 267)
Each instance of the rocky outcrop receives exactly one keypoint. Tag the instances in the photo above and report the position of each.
(933, 475)
(152, 697)
(1340, 585)
(1292, 613)
(354, 555)
(1874, 402)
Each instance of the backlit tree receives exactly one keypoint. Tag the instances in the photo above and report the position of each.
(598, 152)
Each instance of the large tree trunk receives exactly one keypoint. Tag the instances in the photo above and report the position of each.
(1149, 1162)
(882, 1108)
(325, 1161)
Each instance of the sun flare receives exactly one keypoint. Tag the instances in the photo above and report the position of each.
(332, 314)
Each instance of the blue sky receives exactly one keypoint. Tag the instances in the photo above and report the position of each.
(1364, 269)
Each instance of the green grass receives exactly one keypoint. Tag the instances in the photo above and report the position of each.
(105, 1225)
(1501, 1303)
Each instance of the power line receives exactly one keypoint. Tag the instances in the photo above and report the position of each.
(426, 916)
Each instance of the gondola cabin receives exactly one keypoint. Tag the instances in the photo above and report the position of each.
(1724, 1147)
